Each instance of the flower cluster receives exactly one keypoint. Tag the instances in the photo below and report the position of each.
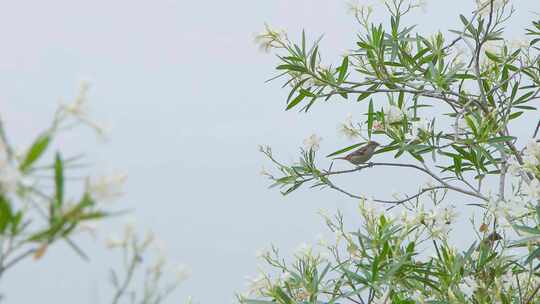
(270, 39)
(401, 250)
(484, 6)
(348, 130)
(312, 142)
(135, 252)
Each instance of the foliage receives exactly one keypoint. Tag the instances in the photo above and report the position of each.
(480, 84)
(37, 208)
(40, 206)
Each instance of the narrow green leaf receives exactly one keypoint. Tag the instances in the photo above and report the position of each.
(291, 67)
(369, 92)
(59, 180)
(527, 229)
(5, 214)
(501, 139)
(344, 150)
(370, 118)
(34, 153)
(343, 69)
(295, 101)
(515, 115)
(313, 59)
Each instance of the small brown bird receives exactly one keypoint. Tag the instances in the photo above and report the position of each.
(361, 155)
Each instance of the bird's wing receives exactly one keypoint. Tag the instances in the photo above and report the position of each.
(360, 151)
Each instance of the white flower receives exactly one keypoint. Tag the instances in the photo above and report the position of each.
(484, 5)
(257, 284)
(532, 189)
(421, 4)
(107, 188)
(265, 149)
(261, 253)
(312, 142)
(113, 242)
(3, 153)
(79, 107)
(324, 255)
(369, 208)
(496, 208)
(448, 215)
(347, 128)
(321, 240)
(440, 230)
(519, 43)
(531, 162)
(304, 249)
(459, 55)
(514, 167)
(158, 265)
(532, 148)
(468, 286)
(357, 9)
(264, 172)
(506, 211)
(270, 39)
(378, 126)
(430, 184)
(421, 125)
(9, 178)
(393, 114)
(182, 273)
(88, 226)
(285, 276)
(149, 237)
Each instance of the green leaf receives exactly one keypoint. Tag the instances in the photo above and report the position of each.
(370, 118)
(470, 124)
(313, 60)
(292, 188)
(524, 97)
(366, 94)
(504, 78)
(6, 214)
(295, 101)
(34, 153)
(344, 150)
(527, 229)
(59, 180)
(468, 25)
(343, 69)
(493, 57)
(464, 76)
(525, 107)
(291, 67)
(401, 98)
(387, 149)
(457, 166)
(515, 115)
(501, 139)
(533, 255)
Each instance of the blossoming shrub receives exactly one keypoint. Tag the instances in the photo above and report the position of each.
(38, 208)
(480, 84)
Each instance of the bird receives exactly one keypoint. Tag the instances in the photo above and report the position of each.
(361, 155)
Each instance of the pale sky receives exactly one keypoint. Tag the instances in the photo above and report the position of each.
(180, 85)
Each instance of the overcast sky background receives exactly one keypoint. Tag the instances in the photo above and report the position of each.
(180, 85)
